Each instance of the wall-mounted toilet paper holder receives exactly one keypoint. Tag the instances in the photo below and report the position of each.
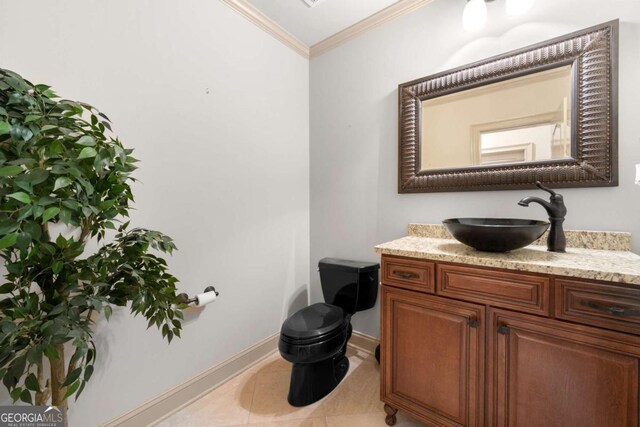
(209, 295)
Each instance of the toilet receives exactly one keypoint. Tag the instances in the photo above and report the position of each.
(315, 338)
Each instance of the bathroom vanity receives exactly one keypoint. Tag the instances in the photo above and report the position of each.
(526, 338)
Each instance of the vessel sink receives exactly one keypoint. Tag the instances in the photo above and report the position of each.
(495, 234)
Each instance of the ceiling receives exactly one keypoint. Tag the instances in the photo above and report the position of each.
(312, 25)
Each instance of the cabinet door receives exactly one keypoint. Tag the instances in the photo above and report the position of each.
(544, 372)
(433, 357)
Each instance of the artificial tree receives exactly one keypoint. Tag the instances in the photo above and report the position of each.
(61, 165)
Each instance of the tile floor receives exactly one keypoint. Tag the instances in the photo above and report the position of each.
(258, 397)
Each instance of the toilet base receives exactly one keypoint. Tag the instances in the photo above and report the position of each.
(311, 382)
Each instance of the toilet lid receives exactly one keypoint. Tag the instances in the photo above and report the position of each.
(314, 321)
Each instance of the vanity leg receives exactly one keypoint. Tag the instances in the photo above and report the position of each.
(391, 415)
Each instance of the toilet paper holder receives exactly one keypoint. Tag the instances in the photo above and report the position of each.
(184, 298)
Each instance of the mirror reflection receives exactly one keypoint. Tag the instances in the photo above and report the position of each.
(525, 119)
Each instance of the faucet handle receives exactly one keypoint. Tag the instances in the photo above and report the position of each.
(547, 189)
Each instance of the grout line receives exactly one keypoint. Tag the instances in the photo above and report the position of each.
(253, 395)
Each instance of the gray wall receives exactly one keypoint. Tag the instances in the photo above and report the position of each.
(354, 201)
(217, 111)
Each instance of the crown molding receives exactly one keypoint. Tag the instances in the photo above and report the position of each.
(401, 7)
(250, 12)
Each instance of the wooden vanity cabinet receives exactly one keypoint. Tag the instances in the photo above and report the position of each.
(482, 346)
(543, 372)
(433, 357)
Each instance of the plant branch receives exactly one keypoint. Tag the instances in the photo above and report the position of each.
(58, 376)
(42, 397)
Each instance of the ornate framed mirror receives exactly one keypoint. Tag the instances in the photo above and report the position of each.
(547, 112)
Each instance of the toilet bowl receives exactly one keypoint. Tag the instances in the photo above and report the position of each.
(315, 338)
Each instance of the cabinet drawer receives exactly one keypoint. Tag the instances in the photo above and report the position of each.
(516, 291)
(605, 305)
(408, 273)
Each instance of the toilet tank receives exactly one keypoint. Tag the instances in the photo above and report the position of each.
(351, 285)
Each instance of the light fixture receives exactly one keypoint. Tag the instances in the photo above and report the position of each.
(518, 7)
(474, 15)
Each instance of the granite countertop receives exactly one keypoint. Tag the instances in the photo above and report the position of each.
(590, 255)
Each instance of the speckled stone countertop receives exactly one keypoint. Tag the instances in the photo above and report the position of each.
(590, 255)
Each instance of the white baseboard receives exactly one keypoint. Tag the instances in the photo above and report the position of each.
(183, 395)
(177, 398)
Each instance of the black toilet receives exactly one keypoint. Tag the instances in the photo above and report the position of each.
(315, 338)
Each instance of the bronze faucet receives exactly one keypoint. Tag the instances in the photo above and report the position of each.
(556, 209)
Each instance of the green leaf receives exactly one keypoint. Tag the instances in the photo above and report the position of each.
(8, 240)
(61, 182)
(87, 152)
(23, 241)
(10, 170)
(34, 229)
(73, 375)
(87, 141)
(14, 267)
(31, 382)
(27, 161)
(61, 242)
(38, 176)
(25, 396)
(65, 216)
(23, 185)
(26, 134)
(34, 355)
(50, 213)
(37, 211)
(57, 266)
(32, 118)
(107, 313)
(7, 288)
(21, 197)
(4, 126)
(88, 372)
(8, 226)
(80, 390)
(72, 389)
(46, 200)
(48, 248)
(15, 393)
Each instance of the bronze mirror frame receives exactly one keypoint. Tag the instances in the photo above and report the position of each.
(593, 55)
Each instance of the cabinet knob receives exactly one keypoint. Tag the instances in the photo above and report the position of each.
(503, 329)
(473, 322)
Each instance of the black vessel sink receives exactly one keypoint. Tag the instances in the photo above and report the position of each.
(495, 234)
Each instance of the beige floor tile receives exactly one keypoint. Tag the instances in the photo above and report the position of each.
(370, 420)
(259, 397)
(227, 405)
(270, 400)
(308, 422)
(274, 363)
(359, 392)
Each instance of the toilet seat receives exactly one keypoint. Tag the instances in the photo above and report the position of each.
(315, 323)
(315, 333)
